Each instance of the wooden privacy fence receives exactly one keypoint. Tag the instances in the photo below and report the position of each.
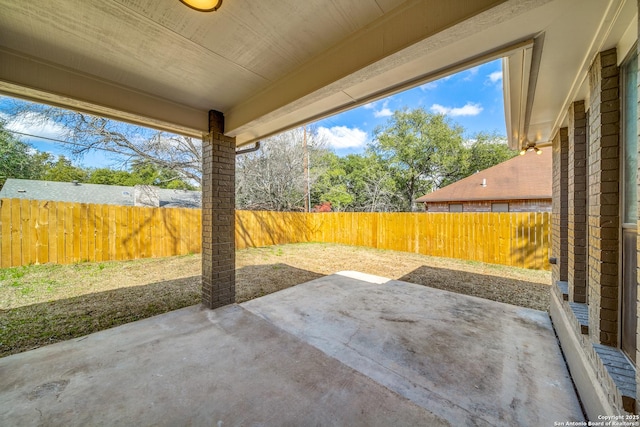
(37, 232)
(517, 239)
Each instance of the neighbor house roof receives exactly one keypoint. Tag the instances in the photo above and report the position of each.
(523, 177)
(94, 193)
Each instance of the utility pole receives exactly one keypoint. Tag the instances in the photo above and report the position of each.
(305, 165)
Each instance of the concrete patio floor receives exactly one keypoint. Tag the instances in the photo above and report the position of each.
(346, 349)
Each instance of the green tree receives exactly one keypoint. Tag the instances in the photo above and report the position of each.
(370, 182)
(144, 171)
(330, 186)
(17, 159)
(421, 151)
(355, 183)
(487, 150)
(108, 176)
(63, 170)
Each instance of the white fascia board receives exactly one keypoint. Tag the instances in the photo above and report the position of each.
(36, 80)
(516, 69)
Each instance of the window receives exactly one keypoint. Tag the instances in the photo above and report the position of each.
(630, 139)
(629, 203)
(455, 207)
(499, 207)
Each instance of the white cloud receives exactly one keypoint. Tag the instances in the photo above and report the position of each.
(469, 109)
(496, 76)
(428, 86)
(471, 73)
(36, 124)
(379, 112)
(384, 111)
(440, 109)
(343, 137)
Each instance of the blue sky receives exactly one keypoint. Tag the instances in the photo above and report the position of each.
(471, 98)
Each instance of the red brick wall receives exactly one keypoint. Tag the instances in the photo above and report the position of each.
(533, 205)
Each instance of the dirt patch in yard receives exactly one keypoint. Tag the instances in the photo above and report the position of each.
(44, 304)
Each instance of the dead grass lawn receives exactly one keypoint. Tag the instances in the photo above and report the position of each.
(44, 304)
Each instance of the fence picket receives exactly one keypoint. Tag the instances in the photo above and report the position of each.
(5, 233)
(57, 228)
(16, 237)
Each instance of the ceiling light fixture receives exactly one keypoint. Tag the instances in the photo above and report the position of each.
(530, 146)
(203, 5)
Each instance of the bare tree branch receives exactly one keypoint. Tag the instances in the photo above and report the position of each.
(85, 133)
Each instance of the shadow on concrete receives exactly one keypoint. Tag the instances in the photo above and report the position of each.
(29, 327)
(511, 291)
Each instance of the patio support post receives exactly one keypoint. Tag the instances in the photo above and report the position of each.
(218, 215)
(560, 205)
(577, 233)
(604, 209)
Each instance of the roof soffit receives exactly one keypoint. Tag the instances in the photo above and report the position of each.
(164, 65)
(577, 32)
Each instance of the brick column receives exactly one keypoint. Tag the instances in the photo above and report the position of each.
(218, 216)
(559, 205)
(604, 211)
(577, 196)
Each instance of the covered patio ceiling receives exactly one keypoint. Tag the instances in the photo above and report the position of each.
(270, 66)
